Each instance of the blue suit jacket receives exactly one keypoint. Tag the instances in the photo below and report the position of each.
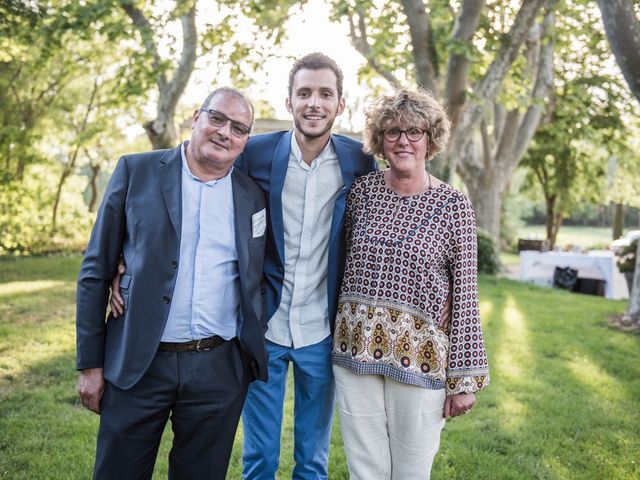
(265, 160)
(141, 216)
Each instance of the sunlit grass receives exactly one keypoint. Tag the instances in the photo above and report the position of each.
(12, 288)
(564, 399)
(514, 350)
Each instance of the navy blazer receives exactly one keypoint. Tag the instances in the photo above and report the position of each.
(265, 159)
(140, 217)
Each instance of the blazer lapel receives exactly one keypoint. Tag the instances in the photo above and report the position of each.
(279, 166)
(346, 168)
(242, 220)
(170, 175)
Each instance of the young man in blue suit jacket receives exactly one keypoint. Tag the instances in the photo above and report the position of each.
(192, 231)
(305, 174)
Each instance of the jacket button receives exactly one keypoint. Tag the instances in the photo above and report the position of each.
(174, 264)
(166, 299)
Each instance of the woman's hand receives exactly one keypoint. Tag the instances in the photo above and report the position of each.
(458, 404)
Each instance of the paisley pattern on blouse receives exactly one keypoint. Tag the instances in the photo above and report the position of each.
(403, 254)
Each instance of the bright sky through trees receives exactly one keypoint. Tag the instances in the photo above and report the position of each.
(308, 30)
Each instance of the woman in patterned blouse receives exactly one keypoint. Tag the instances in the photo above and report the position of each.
(411, 249)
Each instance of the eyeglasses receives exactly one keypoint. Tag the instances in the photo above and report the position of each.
(414, 134)
(219, 119)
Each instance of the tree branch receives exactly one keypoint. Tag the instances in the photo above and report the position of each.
(360, 42)
(465, 26)
(181, 76)
(541, 89)
(486, 144)
(161, 131)
(146, 33)
(488, 87)
(419, 31)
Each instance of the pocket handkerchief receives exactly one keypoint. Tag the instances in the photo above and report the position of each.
(258, 223)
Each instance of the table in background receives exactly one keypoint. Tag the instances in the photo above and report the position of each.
(538, 268)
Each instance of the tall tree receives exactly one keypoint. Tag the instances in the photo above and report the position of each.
(490, 64)
(623, 31)
(569, 154)
(583, 124)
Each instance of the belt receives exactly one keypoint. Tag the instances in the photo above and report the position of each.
(201, 345)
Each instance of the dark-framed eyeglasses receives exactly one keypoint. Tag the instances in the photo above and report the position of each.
(414, 134)
(219, 119)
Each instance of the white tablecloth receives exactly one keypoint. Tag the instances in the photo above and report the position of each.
(538, 267)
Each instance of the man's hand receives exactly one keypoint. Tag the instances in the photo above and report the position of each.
(445, 318)
(90, 387)
(458, 404)
(117, 303)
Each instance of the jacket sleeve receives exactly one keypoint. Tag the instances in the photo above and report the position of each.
(98, 268)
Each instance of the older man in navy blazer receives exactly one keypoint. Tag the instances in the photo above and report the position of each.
(191, 231)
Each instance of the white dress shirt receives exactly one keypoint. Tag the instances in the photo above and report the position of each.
(308, 198)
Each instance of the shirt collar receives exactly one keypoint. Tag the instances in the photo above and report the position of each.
(327, 152)
(185, 169)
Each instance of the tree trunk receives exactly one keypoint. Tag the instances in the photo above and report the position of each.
(486, 189)
(93, 200)
(623, 32)
(618, 220)
(56, 203)
(633, 312)
(551, 207)
(420, 34)
(557, 223)
(512, 130)
(162, 131)
(464, 27)
(486, 90)
(73, 158)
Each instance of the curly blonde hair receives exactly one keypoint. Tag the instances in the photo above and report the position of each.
(417, 108)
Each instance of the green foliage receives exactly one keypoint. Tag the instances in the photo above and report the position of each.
(25, 215)
(388, 37)
(586, 118)
(627, 258)
(488, 258)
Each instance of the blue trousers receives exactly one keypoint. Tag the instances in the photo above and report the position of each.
(313, 411)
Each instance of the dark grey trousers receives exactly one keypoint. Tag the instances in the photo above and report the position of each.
(202, 391)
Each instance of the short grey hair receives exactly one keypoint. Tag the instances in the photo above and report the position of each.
(233, 92)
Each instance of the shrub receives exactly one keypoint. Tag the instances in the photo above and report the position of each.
(627, 257)
(488, 260)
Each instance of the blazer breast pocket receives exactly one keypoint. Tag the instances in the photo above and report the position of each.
(258, 224)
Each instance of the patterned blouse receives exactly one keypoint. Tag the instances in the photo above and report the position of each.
(403, 254)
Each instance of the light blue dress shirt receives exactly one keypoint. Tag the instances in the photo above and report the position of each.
(206, 298)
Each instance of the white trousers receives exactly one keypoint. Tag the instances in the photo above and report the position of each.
(390, 430)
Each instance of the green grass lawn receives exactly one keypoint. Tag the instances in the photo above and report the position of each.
(564, 402)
